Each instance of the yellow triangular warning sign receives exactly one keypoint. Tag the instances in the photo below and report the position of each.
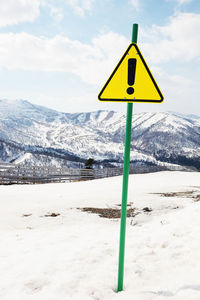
(131, 80)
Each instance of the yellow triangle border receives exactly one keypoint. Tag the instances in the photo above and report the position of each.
(147, 69)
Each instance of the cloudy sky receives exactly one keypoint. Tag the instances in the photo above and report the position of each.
(59, 53)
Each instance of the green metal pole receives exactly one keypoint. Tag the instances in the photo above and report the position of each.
(125, 182)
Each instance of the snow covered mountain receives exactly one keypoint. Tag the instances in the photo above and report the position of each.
(35, 134)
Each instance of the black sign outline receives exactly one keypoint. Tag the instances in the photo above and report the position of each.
(130, 100)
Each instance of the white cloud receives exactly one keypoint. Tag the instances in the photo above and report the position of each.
(184, 1)
(176, 84)
(180, 92)
(135, 4)
(179, 40)
(56, 13)
(92, 62)
(180, 2)
(16, 11)
(80, 6)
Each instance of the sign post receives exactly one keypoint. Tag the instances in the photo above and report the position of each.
(131, 81)
(125, 182)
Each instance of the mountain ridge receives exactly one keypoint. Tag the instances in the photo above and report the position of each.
(157, 138)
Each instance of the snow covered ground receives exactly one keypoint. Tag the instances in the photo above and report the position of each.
(75, 254)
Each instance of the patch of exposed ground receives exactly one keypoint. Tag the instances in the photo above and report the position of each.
(114, 213)
(110, 213)
(26, 215)
(186, 194)
(52, 215)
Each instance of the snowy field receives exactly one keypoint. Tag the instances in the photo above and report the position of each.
(74, 255)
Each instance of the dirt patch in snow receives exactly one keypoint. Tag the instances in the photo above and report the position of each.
(26, 215)
(110, 213)
(52, 215)
(186, 194)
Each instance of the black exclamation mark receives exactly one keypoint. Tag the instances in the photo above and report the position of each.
(131, 75)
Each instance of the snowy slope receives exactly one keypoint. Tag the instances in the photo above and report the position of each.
(158, 138)
(74, 256)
